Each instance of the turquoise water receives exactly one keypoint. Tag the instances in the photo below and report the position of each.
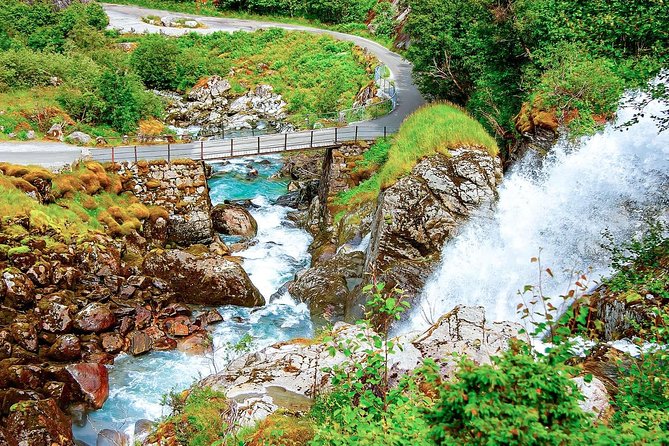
(137, 384)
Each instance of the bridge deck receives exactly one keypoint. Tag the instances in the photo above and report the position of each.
(217, 150)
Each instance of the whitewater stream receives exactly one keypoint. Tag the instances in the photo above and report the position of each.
(137, 384)
(556, 209)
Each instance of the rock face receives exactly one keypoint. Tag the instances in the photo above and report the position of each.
(38, 423)
(219, 281)
(232, 219)
(326, 286)
(181, 189)
(286, 374)
(419, 213)
(211, 106)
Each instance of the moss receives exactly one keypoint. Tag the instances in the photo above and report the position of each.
(197, 250)
(18, 250)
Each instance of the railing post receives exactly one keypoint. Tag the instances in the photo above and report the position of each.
(336, 135)
(113, 159)
(311, 144)
(135, 154)
(169, 153)
(232, 149)
(258, 144)
(385, 132)
(285, 142)
(202, 150)
(356, 133)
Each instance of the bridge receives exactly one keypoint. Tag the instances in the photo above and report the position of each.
(218, 150)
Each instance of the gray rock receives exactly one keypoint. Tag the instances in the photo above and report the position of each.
(596, 396)
(231, 219)
(80, 138)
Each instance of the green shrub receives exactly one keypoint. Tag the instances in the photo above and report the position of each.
(155, 61)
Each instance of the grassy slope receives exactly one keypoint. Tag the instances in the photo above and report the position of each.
(433, 129)
(86, 200)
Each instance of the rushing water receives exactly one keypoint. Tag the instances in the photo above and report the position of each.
(137, 384)
(557, 209)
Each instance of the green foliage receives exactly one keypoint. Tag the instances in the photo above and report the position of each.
(384, 19)
(155, 61)
(641, 263)
(492, 56)
(121, 107)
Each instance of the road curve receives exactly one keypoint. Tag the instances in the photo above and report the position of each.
(129, 18)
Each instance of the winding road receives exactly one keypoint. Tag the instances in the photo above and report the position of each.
(129, 18)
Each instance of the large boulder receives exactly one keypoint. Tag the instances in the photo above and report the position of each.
(219, 281)
(232, 219)
(465, 330)
(287, 374)
(38, 423)
(421, 211)
(92, 381)
(66, 348)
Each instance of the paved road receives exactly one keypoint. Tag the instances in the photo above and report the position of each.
(129, 18)
(47, 154)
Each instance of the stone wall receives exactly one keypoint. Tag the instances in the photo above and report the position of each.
(181, 189)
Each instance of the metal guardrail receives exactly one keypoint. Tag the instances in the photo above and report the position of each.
(216, 150)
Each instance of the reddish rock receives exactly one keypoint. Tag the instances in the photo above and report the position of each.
(164, 343)
(196, 344)
(174, 310)
(27, 377)
(58, 391)
(55, 317)
(40, 273)
(139, 343)
(141, 282)
(66, 348)
(212, 317)
(219, 281)
(38, 423)
(95, 318)
(92, 380)
(66, 277)
(126, 325)
(142, 317)
(112, 342)
(25, 335)
(178, 326)
(99, 260)
(126, 292)
(5, 344)
(23, 261)
(18, 289)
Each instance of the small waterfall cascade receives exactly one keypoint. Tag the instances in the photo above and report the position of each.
(557, 208)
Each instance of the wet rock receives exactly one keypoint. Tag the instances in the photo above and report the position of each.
(303, 194)
(55, 317)
(177, 326)
(220, 281)
(325, 287)
(108, 437)
(38, 423)
(66, 348)
(25, 335)
(92, 381)
(196, 344)
(99, 260)
(95, 318)
(141, 282)
(27, 377)
(139, 343)
(23, 261)
(465, 330)
(112, 342)
(40, 273)
(19, 290)
(233, 219)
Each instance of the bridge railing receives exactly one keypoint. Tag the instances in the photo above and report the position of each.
(214, 150)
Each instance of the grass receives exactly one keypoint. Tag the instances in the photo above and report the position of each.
(433, 129)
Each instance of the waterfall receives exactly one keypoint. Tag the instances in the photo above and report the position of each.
(557, 208)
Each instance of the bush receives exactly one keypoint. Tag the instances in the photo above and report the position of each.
(155, 61)
(121, 107)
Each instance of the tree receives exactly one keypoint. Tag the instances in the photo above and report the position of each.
(155, 62)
